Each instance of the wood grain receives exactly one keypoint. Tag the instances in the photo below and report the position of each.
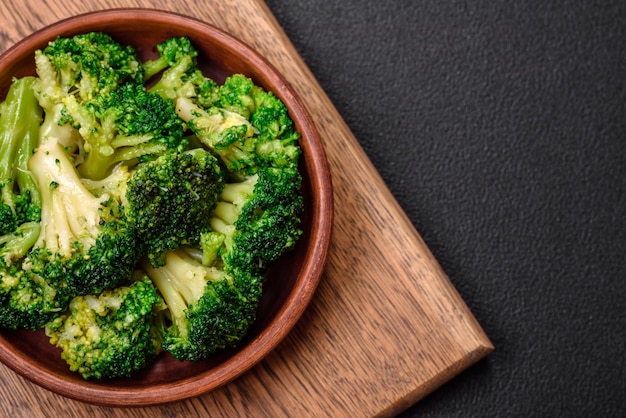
(385, 328)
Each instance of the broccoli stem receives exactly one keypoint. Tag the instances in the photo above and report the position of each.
(166, 282)
(24, 177)
(232, 199)
(182, 282)
(69, 211)
(239, 193)
(20, 118)
(53, 127)
(96, 165)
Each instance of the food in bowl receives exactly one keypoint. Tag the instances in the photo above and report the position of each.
(142, 203)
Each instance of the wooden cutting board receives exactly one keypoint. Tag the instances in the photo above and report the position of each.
(385, 327)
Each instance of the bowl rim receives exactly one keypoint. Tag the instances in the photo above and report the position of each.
(318, 247)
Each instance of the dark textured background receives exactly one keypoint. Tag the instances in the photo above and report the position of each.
(500, 127)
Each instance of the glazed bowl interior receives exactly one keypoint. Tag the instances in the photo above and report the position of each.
(292, 280)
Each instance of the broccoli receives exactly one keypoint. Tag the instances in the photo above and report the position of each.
(20, 116)
(141, 203)
(28, 300)
(15, 245)
(83, 67)
(171, 199)
(212, 290)
(110, 334)
(248, 127)
(180, 75)
(258, 218)
(124, 125)
(85, 239)
(172, 52)
(277, 137)
(228, 134)
(208, 308)
(96, 104)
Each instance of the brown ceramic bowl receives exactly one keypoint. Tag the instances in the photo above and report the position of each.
(293, 279)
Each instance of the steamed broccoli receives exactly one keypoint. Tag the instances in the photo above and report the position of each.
(248, 127)
(26, 299)
(172, 52)
(124, 125)
(208, 308)
(92, 89)
(20, 116)
(83, 67)
(226, 133)
(180, 75)
(110, 334)
(85, 239)
(212, 290)
(258, 218)
(142, 203)
(171, 199)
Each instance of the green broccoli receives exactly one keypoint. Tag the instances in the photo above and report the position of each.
(85, 239)
(15, 245)
(180, 75)
(212, 290)
(174, 51)
(171, 199)
(20, 117)
(227, 134)
(142, 204)
(258, 218)
(96, 104)
(123, 126)
(28, 300)
(84, 67)
(248, 127)
(110, 334)
(208, 308)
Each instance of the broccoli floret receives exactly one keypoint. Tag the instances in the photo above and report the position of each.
(20, 117)
(208, 308)
(84, 67)
(277, 137)
(111, 334)
(248, 128)
(97, 107)
(180, 75)
(28, 300)
(84, 238)
(123, 126)
(226, 133)
(239, 94)
(259, 218)
(174, 51)
(171, 199)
